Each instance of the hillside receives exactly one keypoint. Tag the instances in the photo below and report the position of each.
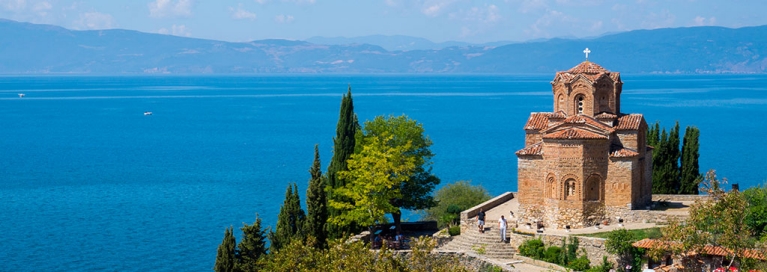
(43, 49)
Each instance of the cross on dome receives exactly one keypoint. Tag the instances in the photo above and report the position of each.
(587, 51)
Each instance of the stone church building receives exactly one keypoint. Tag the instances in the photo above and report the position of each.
(585, 162)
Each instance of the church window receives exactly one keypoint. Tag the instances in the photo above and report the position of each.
(561, 105)
(569, 189)
(579, 99)
(593, 188)
(551, 191)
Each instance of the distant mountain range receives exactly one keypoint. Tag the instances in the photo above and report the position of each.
(44, 49)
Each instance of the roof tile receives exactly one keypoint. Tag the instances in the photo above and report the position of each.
(707, 250)
(622, 152)
(537, 121)
(533, 149)
(629, 122)
(573, 133)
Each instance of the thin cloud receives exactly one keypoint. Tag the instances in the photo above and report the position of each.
(241, 14)
(170, 8)
(283, 19)
(14, 5)
(94, 20)
(176, 30)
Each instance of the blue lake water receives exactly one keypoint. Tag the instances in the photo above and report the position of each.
(88, 183)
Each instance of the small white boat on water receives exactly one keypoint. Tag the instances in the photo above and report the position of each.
(21, 95)
(147, 113)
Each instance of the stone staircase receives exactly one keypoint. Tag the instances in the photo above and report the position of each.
(490, 242)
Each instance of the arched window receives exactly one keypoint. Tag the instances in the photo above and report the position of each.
(551, 188)
(561, 105)
(579, 103)
(569, 189)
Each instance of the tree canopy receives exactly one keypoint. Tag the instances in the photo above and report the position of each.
(343, 147)
(252, 246)
(225, 257)
(399, 150)
(290, 221)
(316, 204)
(459, 195)
(675, 170)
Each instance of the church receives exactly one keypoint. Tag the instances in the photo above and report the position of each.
(585, 162)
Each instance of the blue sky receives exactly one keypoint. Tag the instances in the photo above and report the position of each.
(437, 20)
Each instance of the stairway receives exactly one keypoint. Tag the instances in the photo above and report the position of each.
(473, 241)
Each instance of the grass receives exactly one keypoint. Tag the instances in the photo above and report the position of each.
(652, 233)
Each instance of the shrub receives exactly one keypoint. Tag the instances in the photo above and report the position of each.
(532, 248)
(580, 264)
(604, 267)
(454, 230)
(454, 198)
(551, 254)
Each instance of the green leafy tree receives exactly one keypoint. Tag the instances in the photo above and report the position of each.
(756, 213)
(619, 242)
(414, 191)
(343, 147)
(316, 204)
(252, 246)
(690, 177)
(719, 220)
(290, 221)
(459, 195)
(373, 180)
(225, 257)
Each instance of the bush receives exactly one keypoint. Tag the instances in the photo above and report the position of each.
(454, 198)
(532, 248)
(551, 254)
(604, 267)
(454, 230)
(580, 264)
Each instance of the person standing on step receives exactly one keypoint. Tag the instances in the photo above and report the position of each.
(502, 228)
(481, 220)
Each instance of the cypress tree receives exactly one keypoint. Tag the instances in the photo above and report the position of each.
(225, 257)
(672, 160)
(343, 148)
(252, 246)
(316, 204)
(290, 220)
(661, 170)
(690, 176)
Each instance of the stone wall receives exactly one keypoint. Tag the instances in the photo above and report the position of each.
(468, 215)
(594, 247)
(469, 260)
(658, 197)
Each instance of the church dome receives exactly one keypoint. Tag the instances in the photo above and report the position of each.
(587, 67)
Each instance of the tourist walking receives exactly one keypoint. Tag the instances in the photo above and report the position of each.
(481, 220)
(502, 227)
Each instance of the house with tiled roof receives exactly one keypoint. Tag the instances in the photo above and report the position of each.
(586, 161)
(709, 258)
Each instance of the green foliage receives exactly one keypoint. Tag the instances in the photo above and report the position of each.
(756, 213)
(719, 220)
(580, 264)
(639, 234)
(532, 248)
(316, 204)
(343, 147)
(670, 174)
(344, 255)
(453, 198)
(372, 182)
(407, 135)
(605, 266)
(454, 230)
(619, 242)
(690, 177)
(552, 254)
(290, 220)
(252, 246)
(225, 257)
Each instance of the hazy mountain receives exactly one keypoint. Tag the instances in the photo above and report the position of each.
(37, 49)
(397, 42)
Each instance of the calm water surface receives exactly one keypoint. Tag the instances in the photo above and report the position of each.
(87, 182)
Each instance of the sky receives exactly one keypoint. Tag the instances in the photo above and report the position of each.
(474, 21)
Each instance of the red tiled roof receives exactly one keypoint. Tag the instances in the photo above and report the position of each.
(574, 133)
(583, 119)
(606, 115)
(629, 122)
(558, 115)
(537, 121)
(707, 250)
(622, 152)
(589, 70)
(587, 67)
(533, 149)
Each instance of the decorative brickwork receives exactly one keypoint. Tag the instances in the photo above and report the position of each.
(585, 162)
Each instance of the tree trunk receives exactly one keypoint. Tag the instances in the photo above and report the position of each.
(397, 216)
